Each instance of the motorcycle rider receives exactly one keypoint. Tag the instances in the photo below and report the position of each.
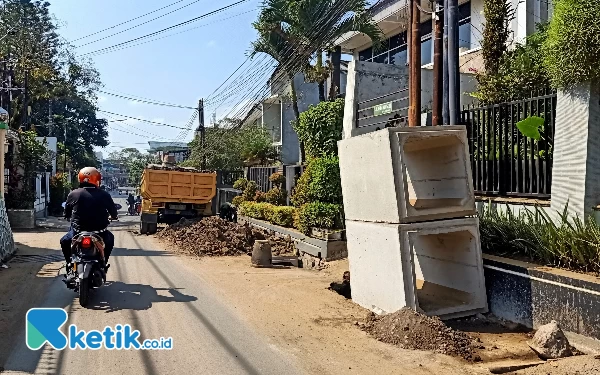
(88, 208)
(130, 204)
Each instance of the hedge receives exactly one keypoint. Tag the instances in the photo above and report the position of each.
(320, 128)
(318, 215)
(279, 215)
(320, 182)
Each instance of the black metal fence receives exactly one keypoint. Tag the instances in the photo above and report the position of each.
(503, 161)
(227, 178)
(261, 175)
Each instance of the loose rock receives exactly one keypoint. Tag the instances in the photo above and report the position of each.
(550, 342)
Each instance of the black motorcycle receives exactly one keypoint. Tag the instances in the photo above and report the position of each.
(87, 265)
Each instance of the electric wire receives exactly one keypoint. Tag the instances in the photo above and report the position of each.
(216, 11)
(138, 25)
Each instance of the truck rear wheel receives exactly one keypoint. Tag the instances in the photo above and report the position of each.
(144, 227)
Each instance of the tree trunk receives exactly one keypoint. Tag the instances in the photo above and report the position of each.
(321, 91)
(296, 114)
(319, 70)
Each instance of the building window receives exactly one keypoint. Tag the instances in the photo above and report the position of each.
(395, 51)
(366, 55)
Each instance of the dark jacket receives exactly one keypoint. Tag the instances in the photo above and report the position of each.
(88, 208)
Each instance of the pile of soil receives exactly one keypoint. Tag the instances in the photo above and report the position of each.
(214, 236)
(410, 330)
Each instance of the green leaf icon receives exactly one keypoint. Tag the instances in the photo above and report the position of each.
(530, 127)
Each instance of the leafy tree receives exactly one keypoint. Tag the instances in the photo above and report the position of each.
(572, 49)
(55, 79)
(311, 27)
(320, 128)
(229, 146)
(519, 72)
(135, 162)
(498, 15)
(32, 157)
(136, 167)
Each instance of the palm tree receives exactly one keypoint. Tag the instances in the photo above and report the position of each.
(310, 27)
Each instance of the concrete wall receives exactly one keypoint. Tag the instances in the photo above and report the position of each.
(271, 119)
(576, 165)
(308, 94)
(533, 295)
(21, 219)
(367, 80)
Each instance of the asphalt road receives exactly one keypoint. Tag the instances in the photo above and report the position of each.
(157, 294)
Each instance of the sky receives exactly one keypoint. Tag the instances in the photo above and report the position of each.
(188, 64)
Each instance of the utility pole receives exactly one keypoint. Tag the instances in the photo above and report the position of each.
(453, 73)
(414, 82)
(202, 131)
(438, 62)
(445, 107)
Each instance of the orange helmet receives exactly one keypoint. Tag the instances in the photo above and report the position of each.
(90, 175)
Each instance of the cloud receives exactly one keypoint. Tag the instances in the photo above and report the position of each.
(102, 99)
(211, 43)
(133, 103)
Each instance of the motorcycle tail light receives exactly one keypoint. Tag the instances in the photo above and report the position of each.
(86, 242)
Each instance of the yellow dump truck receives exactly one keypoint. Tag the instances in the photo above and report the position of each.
(171, 193)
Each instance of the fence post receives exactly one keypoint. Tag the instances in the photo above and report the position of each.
(576, 154)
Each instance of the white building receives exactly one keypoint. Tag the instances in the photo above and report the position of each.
(392, 16)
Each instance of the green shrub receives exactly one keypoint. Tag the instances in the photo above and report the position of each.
(567, 243)
(240, 184)
(254, 210)
(278, 179)
(320, 127)
(572, 49)
(249, 193)
(326, 185)
(279, 215)
(237, 201)
(318, 215)
(320, 182)
(276, 196)
(300, 195)
(260, 197)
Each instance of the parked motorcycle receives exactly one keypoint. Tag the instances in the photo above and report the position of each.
(87, 265)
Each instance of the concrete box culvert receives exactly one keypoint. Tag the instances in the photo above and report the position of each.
(432, 267)
(405, 175)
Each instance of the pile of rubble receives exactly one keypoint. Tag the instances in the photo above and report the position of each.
(213, 236)
(410, 330)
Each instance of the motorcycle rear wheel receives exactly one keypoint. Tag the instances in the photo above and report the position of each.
(84, 292)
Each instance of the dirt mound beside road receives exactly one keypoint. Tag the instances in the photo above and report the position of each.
(410, 330)
(214, 236)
